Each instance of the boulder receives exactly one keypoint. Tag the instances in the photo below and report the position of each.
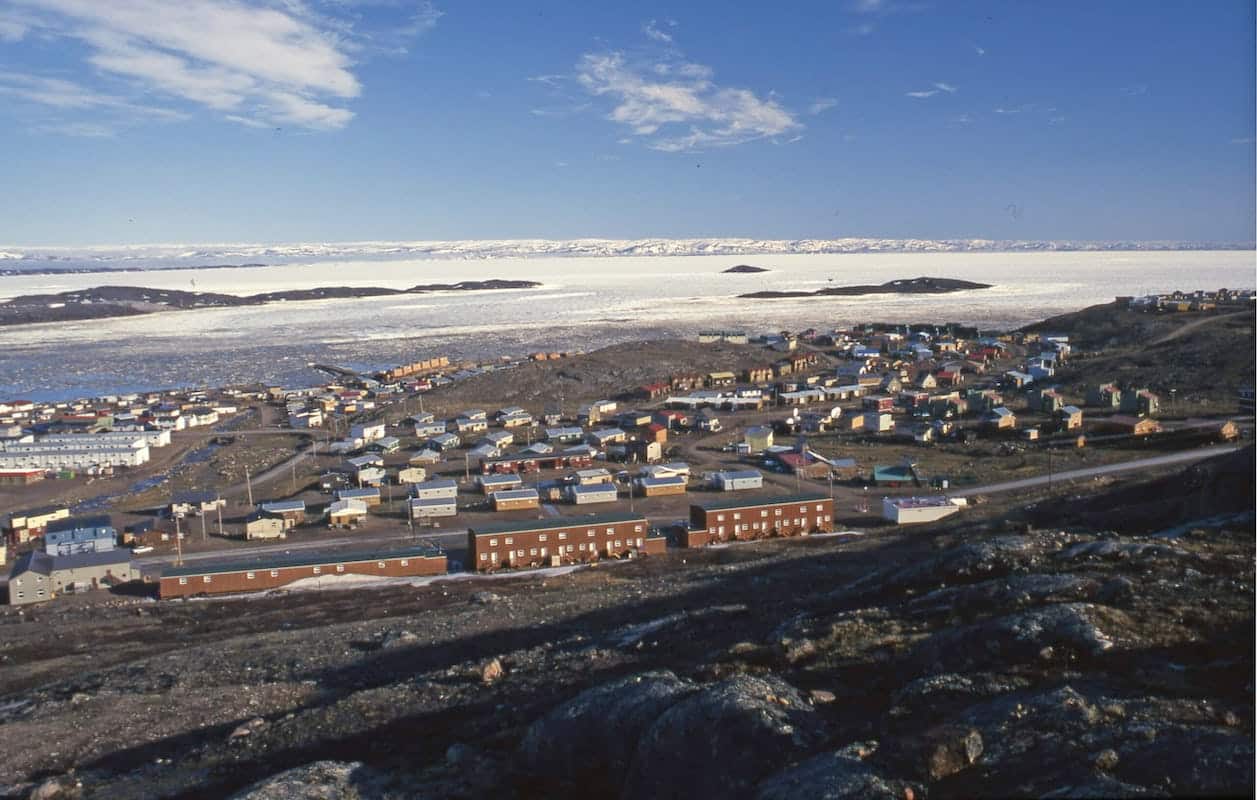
(841, 775)
(591, 738)
(320, 780)
(722, 741)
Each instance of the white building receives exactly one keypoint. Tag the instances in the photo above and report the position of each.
(907, 510)
(368, 433)
(588, 495)
(56, 455)
(737, 480)
(442, 488)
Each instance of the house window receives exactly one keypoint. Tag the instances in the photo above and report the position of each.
(617, 544)
(720, 517)
(318, 570)
(250, 575)
(381, 564)
(183, 581)
(510, 540)
(777, 512)
(735, 516)
(532, 551)
(637, 529)
(541, 538)
(521, 553)
(340, 567)
(484, 556)
(274, 573)
(819, 507)
(405, 562)
(610, 531)
(569, 548)
(590, 533)
(493, 542)
(582, 547)
(763, 513)
(206, 578)
(562, 535)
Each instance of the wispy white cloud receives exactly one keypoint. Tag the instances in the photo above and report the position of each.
(863, 29)
(979, 50)
(680, 107)
(277, 62)
(82, 130)
(12, 30)
(1243, 140)
(1135, 90)
(652, 31)
(58, 93)
(821, 105)
(938, 88)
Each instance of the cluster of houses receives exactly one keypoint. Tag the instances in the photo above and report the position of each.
(77, 554)
(96, 436)
(1198, 300)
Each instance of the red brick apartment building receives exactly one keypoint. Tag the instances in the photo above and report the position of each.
(759, 518)
(231, 578)
(560, 540)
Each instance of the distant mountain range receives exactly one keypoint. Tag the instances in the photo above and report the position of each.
(175, 256)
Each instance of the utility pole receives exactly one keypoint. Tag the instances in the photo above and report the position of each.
(204, 532)
(466, 467)
(178, 543)
(248, 483)
(219, 506)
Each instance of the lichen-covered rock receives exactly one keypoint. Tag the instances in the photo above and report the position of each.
(592, 736)
(1066, 628)
(841, 775)
(722, 741)
(321, 780)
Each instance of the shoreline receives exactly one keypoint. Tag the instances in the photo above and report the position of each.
(106, 302)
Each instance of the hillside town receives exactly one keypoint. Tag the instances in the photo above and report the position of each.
(379, 475)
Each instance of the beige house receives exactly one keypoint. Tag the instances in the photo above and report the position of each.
(260, 526)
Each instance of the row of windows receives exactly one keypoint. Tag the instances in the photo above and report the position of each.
(543, 552)
(746, 526)
(275, 572)
(590, 532)
(764, 513)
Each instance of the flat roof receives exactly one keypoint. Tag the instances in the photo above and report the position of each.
(919, 502)
(556, 523)
(755, 502)
(417, 551)
(516, 494)
(598, 488)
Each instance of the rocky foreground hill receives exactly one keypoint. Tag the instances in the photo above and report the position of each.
(997, 656)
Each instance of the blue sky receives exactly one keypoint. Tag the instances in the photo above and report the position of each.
(132, 121)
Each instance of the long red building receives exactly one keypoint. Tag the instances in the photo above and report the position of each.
(560, 540)
(236, 577)
(759, 518)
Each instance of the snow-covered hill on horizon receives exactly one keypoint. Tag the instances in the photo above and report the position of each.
(173, 256)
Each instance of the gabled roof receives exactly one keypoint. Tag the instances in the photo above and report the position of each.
(97, 559)
(36, 561)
